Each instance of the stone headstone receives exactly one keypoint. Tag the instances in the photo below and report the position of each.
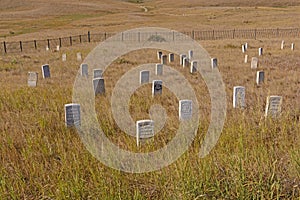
(214, 63)
(47, 48)
(243, 48)
(84, 71)
(194, 67)
(282, 45)
(159, 69)
(144, 130)
(144, 76)
(254, 63)
(98, 73)
(273, 106)
(260, 51)
(78, 55)
(171, 57)
(57, 48)
(46, 71)
(185, 109)
(260, 77)
(181, 57)
(32, 79)
(64, 57)
(239, 97)
(72, 115)
(159, 55)
(156, 87)
(191, 54)
(246, 46)
(164, 59)
(99, 86)
(246, 59)
(185, 62)
(292, 46)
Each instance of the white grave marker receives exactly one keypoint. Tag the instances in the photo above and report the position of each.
(72, 115)
(159, 54)
(164, 59)
(32, 79)
(84, 70)
(246, 46)
(214, 63)
(144, 130)
(273, 106)
(191, 54)
(182, 56)
(194, 67)
(159, 69)
(185, 109)
(144, 76)
(64, 57)
(156, 87)
(243, 48)
(246, 59)
(171, 57)
(260, 51)
(47, 48)
(99, 86)
(57, 48)
(282, 45)
(260, 77)
(46, 71)
(254, 63)
(78, 55)
(239, 97)
(292, 46)
(185, 62)
(98, 73)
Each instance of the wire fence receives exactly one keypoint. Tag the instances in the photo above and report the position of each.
(54, 43)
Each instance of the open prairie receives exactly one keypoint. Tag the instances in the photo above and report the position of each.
(255, 157)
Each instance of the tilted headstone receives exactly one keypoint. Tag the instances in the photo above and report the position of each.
(32, 79)
(185, 109)
(194, 67)
(159, 69)
(144, 76)
(243, 48)
(159, 55)
(98, 73)
(64, 57)
(191, 54)
(171, 57)
(185, 62)
(164, 59)
(214, 63)
(99, 86)
(260, 77)
(72, 115)
(246, 59)
(144, 130)
(292, 46)
(181, 57)
(254, 63)
(239, 97)
(156, 87)
(78, 55)
(282, 45)
(46, 71)
(273, 106)
(84, 71)
(260, 51)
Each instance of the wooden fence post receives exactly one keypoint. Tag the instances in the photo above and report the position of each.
(21, 47)
(89, 36)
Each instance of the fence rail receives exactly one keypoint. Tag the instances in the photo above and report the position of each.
(34, 45)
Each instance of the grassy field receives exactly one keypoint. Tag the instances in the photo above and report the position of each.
(253, 159)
